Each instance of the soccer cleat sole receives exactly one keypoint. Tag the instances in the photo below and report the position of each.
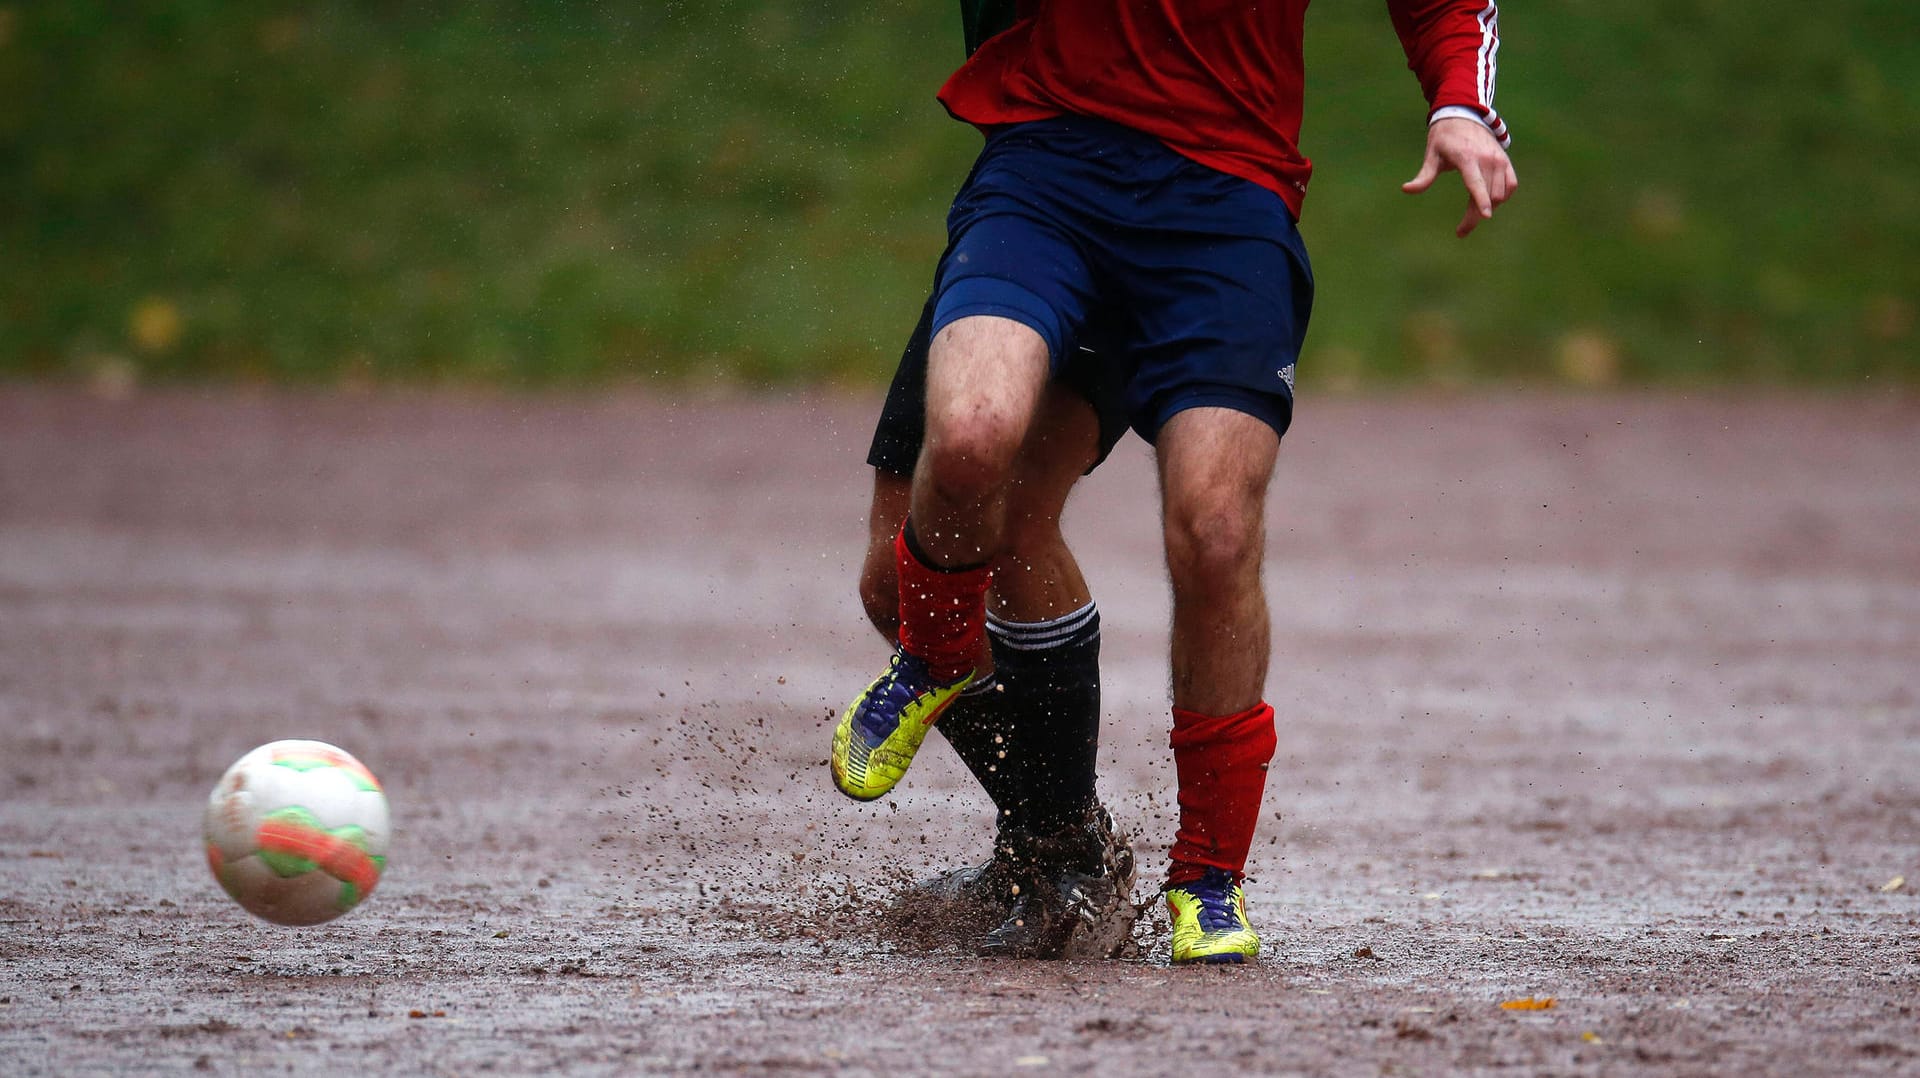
(1232, 959)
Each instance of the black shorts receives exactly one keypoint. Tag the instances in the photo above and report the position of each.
(903, 419)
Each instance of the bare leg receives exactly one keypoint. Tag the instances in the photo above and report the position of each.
(985, 378)
(1036, 576)
(879, 579)
(1215, 465)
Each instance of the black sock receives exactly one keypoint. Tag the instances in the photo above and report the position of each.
(1031, 734)
(976, 726)
(1049, 675)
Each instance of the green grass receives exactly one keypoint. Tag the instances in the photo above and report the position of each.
(542, 193)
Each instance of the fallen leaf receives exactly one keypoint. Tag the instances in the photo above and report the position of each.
(1591, 1037)
(1031, 1061)
(1893, 885)
(1530, 1003)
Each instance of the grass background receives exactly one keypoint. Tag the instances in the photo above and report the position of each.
(529, 193)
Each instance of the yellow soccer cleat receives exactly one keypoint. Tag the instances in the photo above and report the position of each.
(883, 727)
(1210, 921)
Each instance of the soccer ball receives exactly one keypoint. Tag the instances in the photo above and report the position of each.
(297, 832)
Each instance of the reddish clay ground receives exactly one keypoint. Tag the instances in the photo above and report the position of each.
(1607, 699)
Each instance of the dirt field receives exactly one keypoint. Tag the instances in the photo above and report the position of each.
(1606, 699)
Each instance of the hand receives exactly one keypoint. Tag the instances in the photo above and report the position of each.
(1457, 144)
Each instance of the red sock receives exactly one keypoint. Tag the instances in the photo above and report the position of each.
(1222, 765)
(943, 613)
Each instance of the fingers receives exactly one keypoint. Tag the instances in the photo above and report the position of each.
(1468, 221)
(1502, 182)
(1486, 171)
(1499, 183)
(1477, 191)
(1429, 171)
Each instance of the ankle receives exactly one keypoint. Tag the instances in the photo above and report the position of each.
(1187, 873)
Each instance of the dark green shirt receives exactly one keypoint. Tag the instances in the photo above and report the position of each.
(981, 19)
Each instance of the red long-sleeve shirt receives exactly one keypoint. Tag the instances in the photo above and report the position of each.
(1218, 81)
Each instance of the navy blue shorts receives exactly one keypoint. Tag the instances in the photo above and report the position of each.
(1199, 280)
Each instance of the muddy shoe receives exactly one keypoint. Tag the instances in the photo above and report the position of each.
(1072, 895)
(955, 907)
(988, 885)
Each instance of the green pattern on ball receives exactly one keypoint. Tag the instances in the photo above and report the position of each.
(304, 764)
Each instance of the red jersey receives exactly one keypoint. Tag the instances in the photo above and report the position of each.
(1219, 81)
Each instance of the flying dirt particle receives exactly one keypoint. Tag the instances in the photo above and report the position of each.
(1367, 952)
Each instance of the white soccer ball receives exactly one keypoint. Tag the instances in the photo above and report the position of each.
(297, 832)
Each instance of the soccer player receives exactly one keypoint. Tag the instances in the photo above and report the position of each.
(1060, 877)
(1141, 165)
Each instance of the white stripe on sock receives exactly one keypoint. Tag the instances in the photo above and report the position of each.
(1040, 635)
(985, 684)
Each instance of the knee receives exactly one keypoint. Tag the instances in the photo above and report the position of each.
(968, 458)
(1214, 542)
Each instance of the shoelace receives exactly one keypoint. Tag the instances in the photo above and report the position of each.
(894, 692)
(1215, 892)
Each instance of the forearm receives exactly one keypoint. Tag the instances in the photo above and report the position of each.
(1453, 46)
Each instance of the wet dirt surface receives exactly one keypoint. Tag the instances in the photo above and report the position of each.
(1606, 699)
